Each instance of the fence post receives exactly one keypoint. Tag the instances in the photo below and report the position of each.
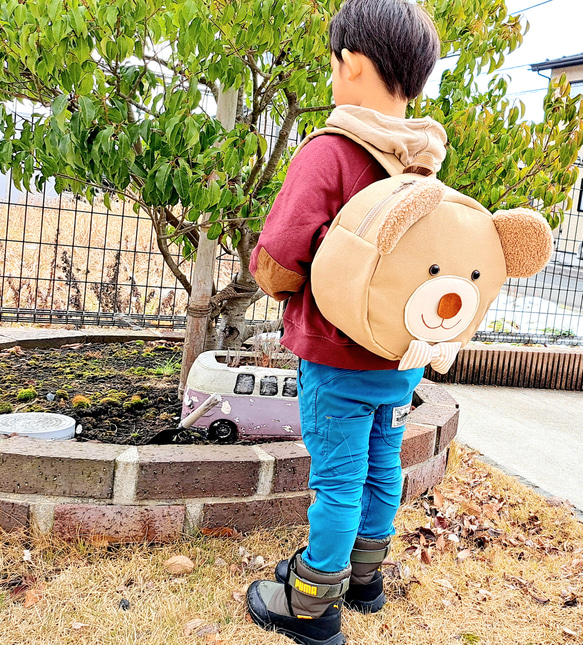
(197, 316)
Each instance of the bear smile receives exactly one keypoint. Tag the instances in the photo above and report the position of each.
(440, 325)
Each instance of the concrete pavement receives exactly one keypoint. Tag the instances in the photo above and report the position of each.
(536, 435)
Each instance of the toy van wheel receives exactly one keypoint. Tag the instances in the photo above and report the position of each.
(222, 431)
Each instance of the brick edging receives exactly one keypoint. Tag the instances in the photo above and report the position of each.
(157, 493)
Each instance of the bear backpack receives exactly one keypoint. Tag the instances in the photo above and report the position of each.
(410, 267)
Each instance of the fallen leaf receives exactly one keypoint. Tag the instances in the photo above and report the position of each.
(257, 563)
(440, 544)
(542, 600)
(214, 638)
(425, 557)
(219, 562)
(31, 597)
(239, 596)
(569, 632)
(445, 583)
(235, 569)
(179, 565)
(437, 498)
(223, 531)
(464, 555)
(191, 625)
(207, 629)
(100, 541)
(79, 625)
(27, 557)
(453, 538)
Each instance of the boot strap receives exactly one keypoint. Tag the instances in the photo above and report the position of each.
(317, 590)
(370, 557)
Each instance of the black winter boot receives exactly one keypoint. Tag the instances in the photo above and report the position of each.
(306, 606)
(365, 593)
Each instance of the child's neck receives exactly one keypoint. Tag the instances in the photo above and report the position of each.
(387, 106)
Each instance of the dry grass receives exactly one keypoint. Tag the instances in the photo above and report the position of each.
(521, 585)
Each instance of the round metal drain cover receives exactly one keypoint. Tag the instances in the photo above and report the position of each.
(38, 425)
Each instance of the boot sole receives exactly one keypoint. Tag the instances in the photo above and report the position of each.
(367, 606)
(260, 616)
(337, 639)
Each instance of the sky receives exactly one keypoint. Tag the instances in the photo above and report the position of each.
(556, 30)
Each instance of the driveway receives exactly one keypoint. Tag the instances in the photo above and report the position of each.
(536, 435)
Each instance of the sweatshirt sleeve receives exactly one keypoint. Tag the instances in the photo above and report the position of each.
(310, 198)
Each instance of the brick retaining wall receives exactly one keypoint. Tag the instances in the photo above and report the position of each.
(157, 493)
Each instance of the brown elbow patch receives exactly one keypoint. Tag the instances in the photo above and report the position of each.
(275, 280)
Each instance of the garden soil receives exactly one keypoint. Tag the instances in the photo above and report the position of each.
(122, 393)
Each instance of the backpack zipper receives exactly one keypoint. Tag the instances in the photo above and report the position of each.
(366, 223)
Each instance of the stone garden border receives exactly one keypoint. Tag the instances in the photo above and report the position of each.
(158, 493)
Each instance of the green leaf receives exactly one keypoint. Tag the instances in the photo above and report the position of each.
(215, 231)
(181, 181)
(59, 105)
(87, 110)
(162, 177)
(107, 200)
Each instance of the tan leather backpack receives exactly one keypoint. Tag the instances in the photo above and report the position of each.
(410, 266)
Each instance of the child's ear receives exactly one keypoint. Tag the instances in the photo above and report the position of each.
(353, 63)
(527, 241)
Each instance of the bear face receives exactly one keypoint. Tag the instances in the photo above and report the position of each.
(442, 290)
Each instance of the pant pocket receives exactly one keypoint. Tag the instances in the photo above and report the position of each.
(346, 445)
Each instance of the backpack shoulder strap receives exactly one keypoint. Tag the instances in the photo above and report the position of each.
(387, 160)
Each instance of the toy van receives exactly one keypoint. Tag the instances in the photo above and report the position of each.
(257, 403)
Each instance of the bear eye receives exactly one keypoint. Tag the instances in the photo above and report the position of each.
(434, 269)
(475, 274)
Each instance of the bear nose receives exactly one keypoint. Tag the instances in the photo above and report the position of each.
(449, 306)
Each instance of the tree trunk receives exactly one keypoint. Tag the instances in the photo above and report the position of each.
(202, 284)
(232, 327)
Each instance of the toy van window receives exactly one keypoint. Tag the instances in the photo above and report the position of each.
(268, 386)
(290, 386)
(245, 384)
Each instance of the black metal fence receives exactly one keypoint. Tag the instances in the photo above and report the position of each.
(64, 261)
(547, 308)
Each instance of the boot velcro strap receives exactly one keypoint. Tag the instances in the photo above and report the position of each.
(370, 557)
(318, 590)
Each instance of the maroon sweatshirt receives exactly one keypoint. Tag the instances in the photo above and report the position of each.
(326, 173)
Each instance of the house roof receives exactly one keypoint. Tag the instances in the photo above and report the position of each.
(558, 63)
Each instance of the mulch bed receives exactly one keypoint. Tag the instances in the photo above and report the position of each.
(121, 393)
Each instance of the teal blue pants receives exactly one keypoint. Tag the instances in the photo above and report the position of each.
(352, 426)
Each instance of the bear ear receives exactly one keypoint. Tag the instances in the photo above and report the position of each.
(420, 197)
(527, 241)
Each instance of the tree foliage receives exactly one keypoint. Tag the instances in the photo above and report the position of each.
(116, 86)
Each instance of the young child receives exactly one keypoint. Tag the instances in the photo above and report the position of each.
(353, 403)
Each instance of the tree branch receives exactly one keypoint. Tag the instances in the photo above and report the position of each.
(282, 141)
(159, 227)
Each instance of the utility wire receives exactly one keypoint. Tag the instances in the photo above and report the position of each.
(540, 4)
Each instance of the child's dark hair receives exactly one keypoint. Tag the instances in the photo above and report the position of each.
(398, 36)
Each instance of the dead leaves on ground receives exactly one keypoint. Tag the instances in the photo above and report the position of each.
(27, 589)
(472, 521)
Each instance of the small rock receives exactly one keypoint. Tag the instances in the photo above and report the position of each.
(179, 565)
(124, 604)
(50, 396)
